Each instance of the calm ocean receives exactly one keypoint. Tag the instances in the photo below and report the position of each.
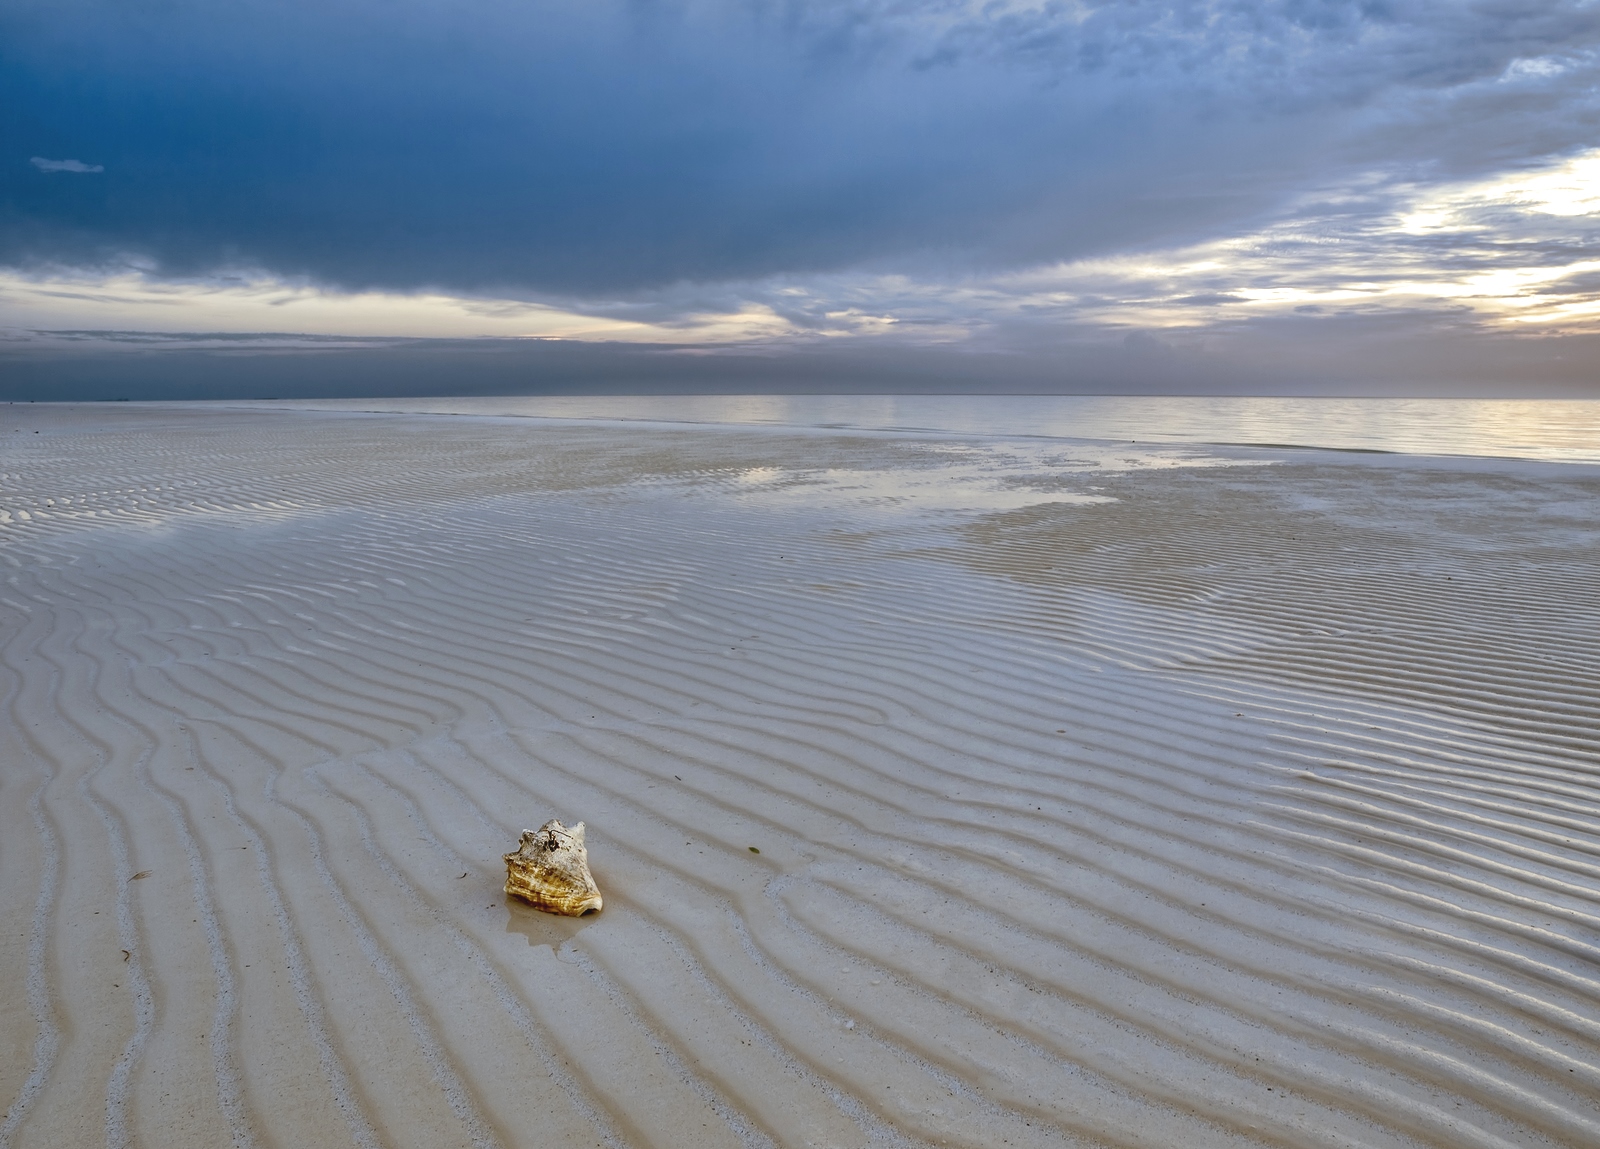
(1555, 430)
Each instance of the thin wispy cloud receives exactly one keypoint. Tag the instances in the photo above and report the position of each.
(45, 165)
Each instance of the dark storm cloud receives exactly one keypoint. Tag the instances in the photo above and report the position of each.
(605, 146)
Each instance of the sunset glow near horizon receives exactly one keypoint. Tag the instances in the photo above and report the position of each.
(1017, 178)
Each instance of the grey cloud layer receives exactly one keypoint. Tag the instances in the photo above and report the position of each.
(1412, 355)
(610, 147)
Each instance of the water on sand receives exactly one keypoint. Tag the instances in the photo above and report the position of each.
(945, 789)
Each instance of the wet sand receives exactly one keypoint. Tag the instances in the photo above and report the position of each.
(942, 790)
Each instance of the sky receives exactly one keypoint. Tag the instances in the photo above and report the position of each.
(427, 196)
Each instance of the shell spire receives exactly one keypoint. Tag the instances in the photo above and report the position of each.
(550, 870)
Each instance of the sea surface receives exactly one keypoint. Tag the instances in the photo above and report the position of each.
(1552, 430)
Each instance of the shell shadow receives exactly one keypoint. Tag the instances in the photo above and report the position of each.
(541, 928)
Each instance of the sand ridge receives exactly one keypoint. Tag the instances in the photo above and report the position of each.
(1206, 815)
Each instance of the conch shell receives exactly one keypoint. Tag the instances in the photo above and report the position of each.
(550, 869)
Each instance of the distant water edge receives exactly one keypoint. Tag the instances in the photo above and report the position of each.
(1553, 430)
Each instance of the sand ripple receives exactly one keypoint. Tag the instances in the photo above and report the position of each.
(1247, 806)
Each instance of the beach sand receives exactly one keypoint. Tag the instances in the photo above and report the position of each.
(942, 791)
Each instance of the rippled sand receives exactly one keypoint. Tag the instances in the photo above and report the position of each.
(942, 791)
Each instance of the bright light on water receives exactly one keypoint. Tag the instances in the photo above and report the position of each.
(1556, 430)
